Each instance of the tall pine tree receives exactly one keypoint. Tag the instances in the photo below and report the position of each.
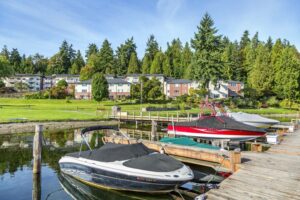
(133, 66)
(206, 62)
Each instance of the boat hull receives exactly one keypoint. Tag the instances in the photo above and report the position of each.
(211, 133)
(117, 181)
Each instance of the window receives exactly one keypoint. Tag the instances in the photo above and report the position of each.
(233, 84)
(83, 85)
(84, 91)
(176, 85)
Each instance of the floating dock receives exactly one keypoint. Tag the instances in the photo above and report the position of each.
(274, 174)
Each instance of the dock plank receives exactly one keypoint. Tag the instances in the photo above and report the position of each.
(274, 174)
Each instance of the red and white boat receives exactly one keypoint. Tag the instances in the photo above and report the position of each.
(215, 127)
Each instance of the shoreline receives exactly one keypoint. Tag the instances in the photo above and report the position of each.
(27, 127)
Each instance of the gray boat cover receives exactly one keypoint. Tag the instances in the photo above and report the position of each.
(155, 163)
(113, 152)
(138, 156)
(220, 122)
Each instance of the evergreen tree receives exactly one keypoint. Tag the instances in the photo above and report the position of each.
(55, 65)
(146, 65)
(245, 40)
(186, 58)
(106, 59)
(206, 62)
(99, 87)
(124, 52)
(230, 58)
(156, 66)
(151, 48)
(287, 77)
(78, 63)
(92, 49)
(174, 52)
(244, 48)
(166, 66)
(133, 66)
(276, 55)
(65, 55)
(5, 52)
(15, 60)
(40, 64)
(28, 65)
(261, 77)
(269, 43)
(255, 41)
(5, 68)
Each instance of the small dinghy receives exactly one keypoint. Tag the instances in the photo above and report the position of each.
(131, 167)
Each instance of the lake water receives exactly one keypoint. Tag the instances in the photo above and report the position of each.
(16, 179)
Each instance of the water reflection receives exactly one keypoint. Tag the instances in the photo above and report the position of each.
(16, 169)
(79, 190)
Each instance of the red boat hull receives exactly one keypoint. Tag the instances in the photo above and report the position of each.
(211, 133)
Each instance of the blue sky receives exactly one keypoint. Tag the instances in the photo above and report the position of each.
(41, 25)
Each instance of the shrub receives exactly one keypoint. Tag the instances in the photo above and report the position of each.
(273, 102)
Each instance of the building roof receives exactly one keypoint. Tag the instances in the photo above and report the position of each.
(117, 81)
(138, 75)
(178, 81)
(84, 82)
(230, 81)
(66, 75)
(28, 75)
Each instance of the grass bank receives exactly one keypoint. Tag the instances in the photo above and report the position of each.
(12, 110)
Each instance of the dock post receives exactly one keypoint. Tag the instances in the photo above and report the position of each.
(149, 115)
(136, 124)
(37, 149)
(153, 130)
(37, 159)
(235, 158)
(188, 117)
(177, 116)
(133, 115)
(36, 186)
(167, 116)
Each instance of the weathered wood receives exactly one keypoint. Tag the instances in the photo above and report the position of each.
(37, 149)
(153, 130)
(274, 174)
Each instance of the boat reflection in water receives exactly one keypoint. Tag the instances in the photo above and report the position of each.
(79, 190)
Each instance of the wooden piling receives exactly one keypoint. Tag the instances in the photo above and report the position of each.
(37, 149)
(153, 130)
(36, 186)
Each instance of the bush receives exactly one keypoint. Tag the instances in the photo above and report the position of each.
(38, 95)
(273, 102)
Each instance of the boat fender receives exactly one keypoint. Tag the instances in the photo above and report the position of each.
(201, 197)
(162, 150)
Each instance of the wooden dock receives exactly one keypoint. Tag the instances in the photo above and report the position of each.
(152, 116)
(274, 174)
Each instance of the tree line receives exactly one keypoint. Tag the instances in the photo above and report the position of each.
(268, 68)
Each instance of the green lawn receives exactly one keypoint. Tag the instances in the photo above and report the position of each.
(59, 110)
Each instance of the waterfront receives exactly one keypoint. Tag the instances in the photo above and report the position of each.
(17, 182)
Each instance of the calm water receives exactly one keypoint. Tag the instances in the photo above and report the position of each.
(16, 179)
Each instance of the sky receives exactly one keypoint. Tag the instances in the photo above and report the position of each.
(41, 25)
